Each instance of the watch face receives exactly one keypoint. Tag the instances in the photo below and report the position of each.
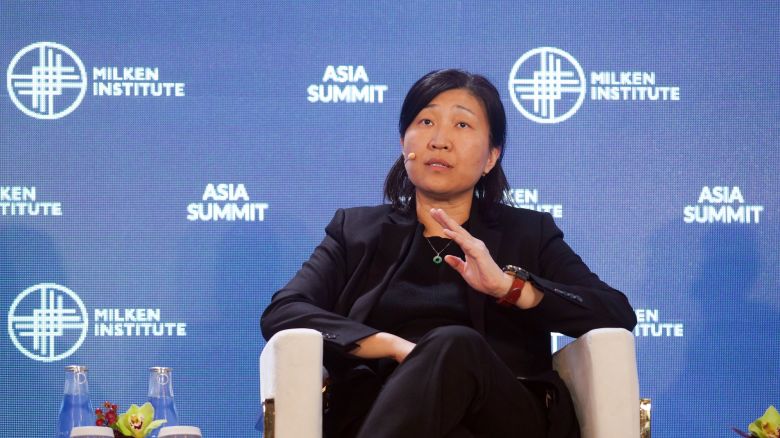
(517, 271)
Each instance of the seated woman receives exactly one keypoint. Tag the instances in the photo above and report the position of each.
(426, 335)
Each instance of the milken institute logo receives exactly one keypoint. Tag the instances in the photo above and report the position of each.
(547, 85)
(40, 314)
(43, 84)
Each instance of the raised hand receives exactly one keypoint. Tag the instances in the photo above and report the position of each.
(478, 269)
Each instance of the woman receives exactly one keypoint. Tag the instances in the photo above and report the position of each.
(426, 335)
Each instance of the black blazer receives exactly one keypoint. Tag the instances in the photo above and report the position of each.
(337, 287)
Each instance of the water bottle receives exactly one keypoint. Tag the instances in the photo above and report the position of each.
(76, 409)
(161, 397)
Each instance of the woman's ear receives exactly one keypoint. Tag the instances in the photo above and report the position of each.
(495, 153)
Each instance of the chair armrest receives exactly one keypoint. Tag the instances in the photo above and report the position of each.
(599, 369)
(291, 376)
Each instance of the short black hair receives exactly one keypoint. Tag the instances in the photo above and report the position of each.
(491, 189)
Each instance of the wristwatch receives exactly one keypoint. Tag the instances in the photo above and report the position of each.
(513, 296)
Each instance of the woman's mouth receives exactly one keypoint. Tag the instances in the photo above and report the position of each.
(438, 163)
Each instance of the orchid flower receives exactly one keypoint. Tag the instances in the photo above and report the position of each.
(768, 426)
(138, 422)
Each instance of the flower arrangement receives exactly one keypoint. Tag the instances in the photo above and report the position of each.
(768, 426)
(137, 422)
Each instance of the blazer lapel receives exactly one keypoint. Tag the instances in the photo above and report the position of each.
(484, 229)
(392, 248)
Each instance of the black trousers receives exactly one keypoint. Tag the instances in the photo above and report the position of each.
(453, 385)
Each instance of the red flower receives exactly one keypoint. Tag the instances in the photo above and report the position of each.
(111, 417)
(108, 417)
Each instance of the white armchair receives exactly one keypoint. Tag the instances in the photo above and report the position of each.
(599, 369)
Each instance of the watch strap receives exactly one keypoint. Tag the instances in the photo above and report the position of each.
(513, 296)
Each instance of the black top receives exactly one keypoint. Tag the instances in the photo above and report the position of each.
(423, 295)
(336, 290)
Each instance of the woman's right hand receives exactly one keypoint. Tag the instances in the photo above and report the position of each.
(383, 345)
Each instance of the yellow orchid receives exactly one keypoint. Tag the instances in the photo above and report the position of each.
(138, 422)
(768, 426)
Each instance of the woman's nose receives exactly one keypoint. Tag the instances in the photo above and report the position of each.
(440, 140)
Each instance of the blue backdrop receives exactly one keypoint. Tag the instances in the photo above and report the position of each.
(648, 128)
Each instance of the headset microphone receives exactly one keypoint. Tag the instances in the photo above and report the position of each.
(411, 156)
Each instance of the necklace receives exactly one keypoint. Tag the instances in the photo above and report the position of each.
(437, 258)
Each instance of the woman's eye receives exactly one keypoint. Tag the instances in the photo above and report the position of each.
(426, 122)
(463, 125)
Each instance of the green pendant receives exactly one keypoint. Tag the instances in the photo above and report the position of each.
(437, 259)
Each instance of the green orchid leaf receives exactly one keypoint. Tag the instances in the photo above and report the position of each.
(154, 425)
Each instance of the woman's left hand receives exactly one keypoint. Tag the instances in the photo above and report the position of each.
(478, 269)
